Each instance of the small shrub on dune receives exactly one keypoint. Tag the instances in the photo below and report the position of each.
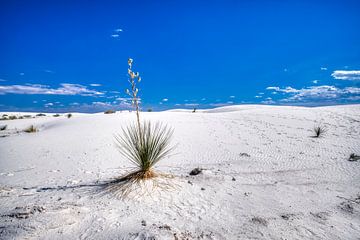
(319, 131)
(56, 115)
(12, 117)
(69, 115)
(353, 157)
(109, 112)
(194, 110)
(149, 110)
(143, 143)
(40, 115)
(31, 129)
(2, 128)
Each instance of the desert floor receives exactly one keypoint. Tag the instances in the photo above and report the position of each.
(264, 176)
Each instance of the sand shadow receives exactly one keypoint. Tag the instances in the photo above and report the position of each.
(121, 187)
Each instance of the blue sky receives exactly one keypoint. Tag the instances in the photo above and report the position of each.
(58, 56)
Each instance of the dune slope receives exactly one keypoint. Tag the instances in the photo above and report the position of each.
(264, 177)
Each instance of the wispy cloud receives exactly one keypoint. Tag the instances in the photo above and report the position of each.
(64, 89)
(315, 93)
(346, 74)
(48, 104)
(48, 71)
(117, 32)
(315, 81)
(323, 69)
(165, 100)
(95, 84)
(232, 96)
(2, 80)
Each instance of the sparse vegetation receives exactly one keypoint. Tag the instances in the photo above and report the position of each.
(3, 127)
(149, 110)
(143, 144)
(109, 112)
(41, 115)
(194, 110)
(12, 117)
(31, 129)
(353, 157)
(319, 131)
(56, 115)
(69, 115)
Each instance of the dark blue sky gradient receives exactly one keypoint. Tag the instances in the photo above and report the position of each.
(185, 51)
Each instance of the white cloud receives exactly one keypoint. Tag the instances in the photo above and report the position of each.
(65, 89)
(315, 81)
(231, 96)
(118, 30)
(115, 35)
(268, 102)
(191, 104)
(346, 74)
(2, 80)
(285, 90)
(323, 69)
(48, 104)
(323, 92)
(102, 104)
(21, 74)
(48, 71)
(95, 84)
(257, 96)
(165, 100)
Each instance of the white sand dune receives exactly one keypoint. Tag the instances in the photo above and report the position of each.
(264, 177)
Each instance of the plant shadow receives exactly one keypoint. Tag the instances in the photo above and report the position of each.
(120, 187)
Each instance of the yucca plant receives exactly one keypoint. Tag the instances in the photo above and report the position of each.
(143, 143)
(31, 129)
(319, 131)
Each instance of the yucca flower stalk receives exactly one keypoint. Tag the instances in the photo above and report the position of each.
(134, 78)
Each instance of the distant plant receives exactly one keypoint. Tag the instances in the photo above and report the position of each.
(56, 115)
(194, 110)
(40, 115)
(149, 110)
(27, 116)
(3, 127)
(353, 157)
(69, 115)
(13, 117)
(319, 131)
(109, 112)
(143, 144)
(31, 129)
